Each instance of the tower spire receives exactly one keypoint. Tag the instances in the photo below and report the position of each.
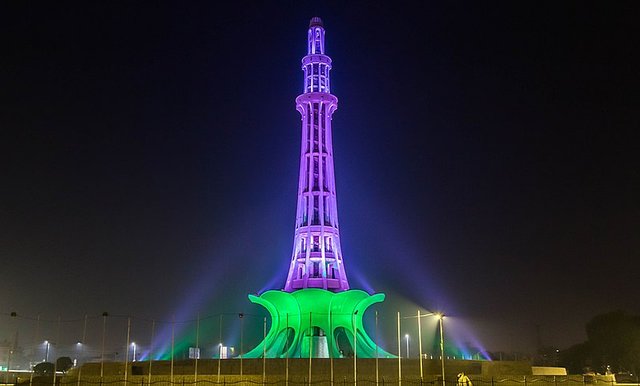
(316, 37)
(316, 260)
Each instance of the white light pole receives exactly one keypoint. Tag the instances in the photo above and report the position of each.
(355, 348)
(79, 350)
(440, 318)
(46, 355)
(133, 345)
(406, 337)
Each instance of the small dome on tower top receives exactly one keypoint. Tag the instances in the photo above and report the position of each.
(315, 21)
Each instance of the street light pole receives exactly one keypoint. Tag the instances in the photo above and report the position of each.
(399, 353)
(355, 348)
(440, 318)
(418, 317)
(406, 336)
(133, 345)
(241, 316)
(104, 331)
(420, 344)
(126, 354)
(219, 350)
(46, 355)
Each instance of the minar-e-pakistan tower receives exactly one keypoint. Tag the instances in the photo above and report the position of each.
(316, 314)
(316, 261)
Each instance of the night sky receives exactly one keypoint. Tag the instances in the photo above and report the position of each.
(486, 158)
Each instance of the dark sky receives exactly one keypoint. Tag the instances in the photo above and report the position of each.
(486, 158)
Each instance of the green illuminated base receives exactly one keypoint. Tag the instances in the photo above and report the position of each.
(317, 323)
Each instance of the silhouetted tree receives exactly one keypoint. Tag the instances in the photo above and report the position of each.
(546, 356)
(577, 358)
(613, 340)
(44, 368)
(64, 364)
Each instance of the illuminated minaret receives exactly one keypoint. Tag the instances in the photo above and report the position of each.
(316, 315)
(316, 261)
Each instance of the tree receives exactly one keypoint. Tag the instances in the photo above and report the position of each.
(615, 340)
(64, 364)
(44, 368)
(577, 358)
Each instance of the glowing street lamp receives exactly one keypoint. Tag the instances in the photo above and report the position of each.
(47, 346)
(440, 318)
(133, 345)
(406, 336)
(78, 354)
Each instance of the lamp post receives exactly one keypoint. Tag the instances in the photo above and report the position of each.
(133, 346)
(440, 318)
(406, 337)
(79, 352)
(219, 350)
(104, 332)
(420, 345)
(46, 355)
(241, 316)
(80, 346)
(355, 348)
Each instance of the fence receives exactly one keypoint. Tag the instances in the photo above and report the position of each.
(274, 380)
(29, 340)
(129, 351)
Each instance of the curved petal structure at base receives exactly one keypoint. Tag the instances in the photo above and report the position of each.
(317, 323)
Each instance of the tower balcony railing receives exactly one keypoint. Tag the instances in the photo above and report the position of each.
(329, 256)
(328, 228)
(316, 188)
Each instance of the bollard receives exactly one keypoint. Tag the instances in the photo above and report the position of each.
(492, 382)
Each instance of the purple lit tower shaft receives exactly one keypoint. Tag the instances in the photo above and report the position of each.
(316, 261)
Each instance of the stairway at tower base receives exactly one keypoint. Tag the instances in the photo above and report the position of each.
(317, 323)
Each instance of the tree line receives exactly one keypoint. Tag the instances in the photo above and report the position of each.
(612, 346)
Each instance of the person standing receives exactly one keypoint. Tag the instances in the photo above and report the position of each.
(463, 380)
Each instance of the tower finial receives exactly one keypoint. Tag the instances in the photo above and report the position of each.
(316, 21)
(315, 37)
